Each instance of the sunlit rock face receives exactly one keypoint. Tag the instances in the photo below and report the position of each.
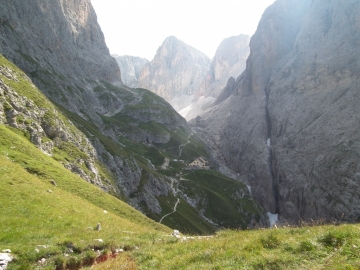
(176, 69)
(130, 68)
(288, 126)
(229, 61)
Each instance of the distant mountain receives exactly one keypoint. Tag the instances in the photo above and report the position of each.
(130, 68)
(229, 61)
(289, 125)
(176, 69)
(187, 79)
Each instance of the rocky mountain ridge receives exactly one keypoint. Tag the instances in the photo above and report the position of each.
(287, 131)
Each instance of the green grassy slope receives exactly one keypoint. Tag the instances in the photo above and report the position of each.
(225, 201)
(222, 201)
(209, 184)
(307, 248)
(31, 215)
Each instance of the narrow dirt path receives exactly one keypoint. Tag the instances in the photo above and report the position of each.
(181, 146)
(177, 202)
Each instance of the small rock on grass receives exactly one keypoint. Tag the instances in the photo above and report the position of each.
(53, 182)
(176, 233)
(5, 258)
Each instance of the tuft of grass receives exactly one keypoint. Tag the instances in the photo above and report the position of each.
(270, 241)
(306, 245)
(334, 239)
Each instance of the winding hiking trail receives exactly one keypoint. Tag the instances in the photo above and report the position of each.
(181, 146)
(177, 202)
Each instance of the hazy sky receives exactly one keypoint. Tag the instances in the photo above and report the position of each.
(138, 27)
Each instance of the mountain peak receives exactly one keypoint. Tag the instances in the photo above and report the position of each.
(177, 68)
(171, 39)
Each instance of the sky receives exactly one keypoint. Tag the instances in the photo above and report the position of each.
(139, 27)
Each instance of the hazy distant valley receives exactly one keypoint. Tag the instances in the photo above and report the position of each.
(184, 76)
(103, 156)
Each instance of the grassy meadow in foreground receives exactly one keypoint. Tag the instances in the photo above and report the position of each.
(58, 220)
(318, 247)
(55, 220)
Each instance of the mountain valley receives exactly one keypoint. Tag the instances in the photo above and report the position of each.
(99, 164)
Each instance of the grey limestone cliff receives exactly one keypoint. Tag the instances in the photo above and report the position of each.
(288, 126)
(130, 68)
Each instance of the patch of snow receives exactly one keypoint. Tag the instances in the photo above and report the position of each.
(185, 110)
(181, 101)
(268, 142)
(249, 188)
(273, 218)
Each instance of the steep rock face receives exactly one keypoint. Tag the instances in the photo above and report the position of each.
(315, 131)
(241, 138)
(59, 41)
(288, 132)
(245, 133)
(176, 69)
(229, 61)
(130, 68)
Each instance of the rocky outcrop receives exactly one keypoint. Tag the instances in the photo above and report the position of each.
(130, 68)
(176, 69)
(5, 259)
(291, 119)
(44, 126)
